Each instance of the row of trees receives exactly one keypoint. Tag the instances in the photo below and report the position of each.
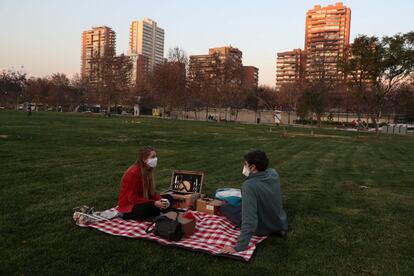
(174, 87)
(59, 92)
(381, 74)
(378, 79)
(55, 90)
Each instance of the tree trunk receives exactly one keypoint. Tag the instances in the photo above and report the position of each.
(109, 106)
(284, 131)
(375, 121)
(318, 118)
(17, 101)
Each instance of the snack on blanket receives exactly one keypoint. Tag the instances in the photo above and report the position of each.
(189, 215)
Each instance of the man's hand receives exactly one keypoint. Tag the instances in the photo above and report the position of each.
(160, 205)
(228, 250)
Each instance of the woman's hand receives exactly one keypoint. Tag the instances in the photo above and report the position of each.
(160, 205)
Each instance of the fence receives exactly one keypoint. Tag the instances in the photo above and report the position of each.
(264, 116)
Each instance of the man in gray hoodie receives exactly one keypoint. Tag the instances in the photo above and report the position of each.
(262, 210)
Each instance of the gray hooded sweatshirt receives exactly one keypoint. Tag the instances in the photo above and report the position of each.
(262, 208)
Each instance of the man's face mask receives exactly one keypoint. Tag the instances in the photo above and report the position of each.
(246, 171)
(152, 162)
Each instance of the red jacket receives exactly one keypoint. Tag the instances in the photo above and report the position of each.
(132, 190)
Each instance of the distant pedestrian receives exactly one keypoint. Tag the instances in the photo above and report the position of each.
(136, 110)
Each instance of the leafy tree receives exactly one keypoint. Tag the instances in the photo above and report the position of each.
(377, 68)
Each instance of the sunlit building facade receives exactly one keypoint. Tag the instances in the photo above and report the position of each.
(96, 43)
(289, 68)
(147, 39)
(139, 70)
(221, 65)
(250, 78)
(327, 36)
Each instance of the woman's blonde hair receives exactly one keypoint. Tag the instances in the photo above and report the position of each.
(146, 171)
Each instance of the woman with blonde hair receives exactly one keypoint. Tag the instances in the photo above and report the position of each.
(138, 198)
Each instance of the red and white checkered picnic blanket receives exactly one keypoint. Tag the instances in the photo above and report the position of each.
(211, 234)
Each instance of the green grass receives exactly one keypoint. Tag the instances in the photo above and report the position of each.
(50, 163)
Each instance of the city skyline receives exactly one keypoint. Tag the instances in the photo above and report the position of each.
(193, 31)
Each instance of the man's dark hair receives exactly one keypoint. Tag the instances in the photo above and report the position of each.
(257, 158)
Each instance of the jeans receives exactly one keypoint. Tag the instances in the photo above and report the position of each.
(232, 213)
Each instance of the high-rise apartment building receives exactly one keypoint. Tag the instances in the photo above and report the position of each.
(139, 70)
(327, 37)
(289, 68)
(96, 43)
(221, 65)
(147, 39)
(250, 78)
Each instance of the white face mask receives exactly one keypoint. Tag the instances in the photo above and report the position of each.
(246, 171)
(152, 162)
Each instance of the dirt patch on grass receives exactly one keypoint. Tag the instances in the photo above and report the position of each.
(133, 121)
(122, 139)
(4, 136)
(319, 136)
(347, 211)
(347, 186)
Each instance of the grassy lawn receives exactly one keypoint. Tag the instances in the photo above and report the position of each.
(50, 163)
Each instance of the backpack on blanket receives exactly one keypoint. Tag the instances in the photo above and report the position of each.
(166, 228)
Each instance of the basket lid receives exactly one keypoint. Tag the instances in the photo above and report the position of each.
(187, 182)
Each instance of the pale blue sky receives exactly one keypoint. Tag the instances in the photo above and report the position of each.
(45, 35)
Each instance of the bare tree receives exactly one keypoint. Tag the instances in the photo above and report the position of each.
(230, 93)
(59, 84)
(316, 90)
(38, 89)
(110, 79)
(288, 97)
(12, 84)
(168, 81)
(177, 55)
